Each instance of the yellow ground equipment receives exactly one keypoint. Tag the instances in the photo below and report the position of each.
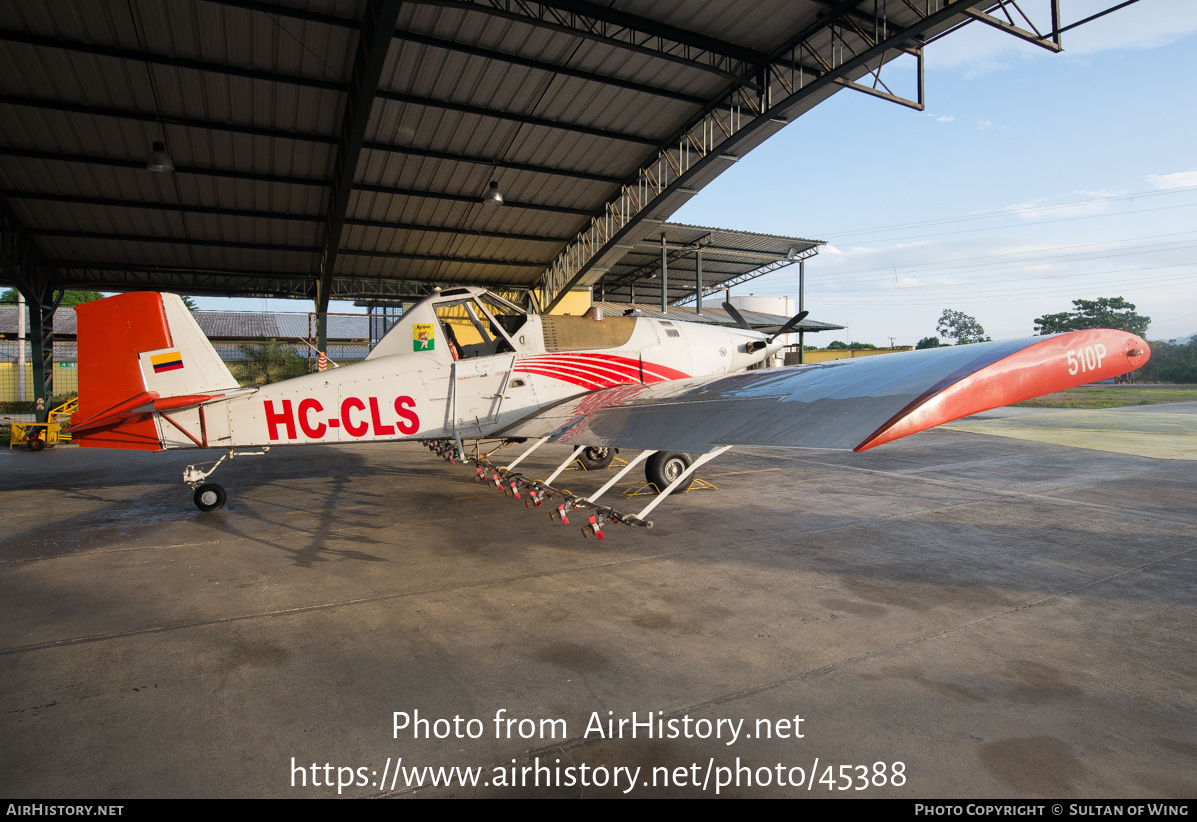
(38, 435)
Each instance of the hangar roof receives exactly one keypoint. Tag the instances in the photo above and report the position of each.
(342, 148)
(728, 258)
(716, 316)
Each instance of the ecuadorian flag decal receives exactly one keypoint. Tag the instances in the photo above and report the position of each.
(170, 361)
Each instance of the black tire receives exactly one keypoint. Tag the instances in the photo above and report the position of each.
(664, 467)
(37, 444)
(209, 497)
(595, 459)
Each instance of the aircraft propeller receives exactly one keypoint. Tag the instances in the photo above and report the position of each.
(759, 344)
(737, 316)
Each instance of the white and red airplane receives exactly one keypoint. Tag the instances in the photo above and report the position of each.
(150, 380)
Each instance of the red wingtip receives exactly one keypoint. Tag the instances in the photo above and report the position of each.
(1056, 363)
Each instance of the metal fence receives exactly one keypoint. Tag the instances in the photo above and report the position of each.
(287, 352)
(14, 388)
(254, 362)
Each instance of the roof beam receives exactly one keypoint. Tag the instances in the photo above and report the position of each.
(152, 117)
(166, 60)
(494, 162)
(473, 199)
(281, 247)
(371, 54)
(550, 68)
(113, 202)
(731, 126)
(139, 165)
(626, 31)
(188, 241)
(241, 283)
(523, 119)
(293, 12)
(282, 134)
(216, 211)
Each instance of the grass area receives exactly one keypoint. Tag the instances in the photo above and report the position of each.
(1114, 396)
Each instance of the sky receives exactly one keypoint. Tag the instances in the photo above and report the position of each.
(1031, 179)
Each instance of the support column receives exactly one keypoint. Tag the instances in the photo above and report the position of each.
(698, 284)
(20, 347)
(41, 338)
(322, 339)
(664, 277)
(801, 307)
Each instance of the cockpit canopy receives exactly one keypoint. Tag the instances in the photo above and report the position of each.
(471, 322)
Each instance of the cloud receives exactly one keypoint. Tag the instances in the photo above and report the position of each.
(982, 125)
(948, 118)
(1178, 179)
(979, 49)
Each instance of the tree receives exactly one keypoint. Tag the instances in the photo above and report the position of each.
(1105, 312)
(928, 342)
(267, 361)
(840, 345)
(960, 327)
(1171, 362)
(69, 300)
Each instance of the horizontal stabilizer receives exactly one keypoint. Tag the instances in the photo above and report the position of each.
(852, 404)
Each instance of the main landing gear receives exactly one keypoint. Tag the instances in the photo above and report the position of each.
(663, 467)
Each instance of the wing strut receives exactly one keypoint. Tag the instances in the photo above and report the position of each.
(511, 482)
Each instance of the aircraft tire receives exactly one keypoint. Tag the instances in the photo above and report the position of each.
(595, 459)
(209, 497)
(664, 467)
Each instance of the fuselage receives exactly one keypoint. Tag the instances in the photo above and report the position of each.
(421, 382)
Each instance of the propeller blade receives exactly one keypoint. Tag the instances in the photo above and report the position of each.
(737, 316)
(793, 321)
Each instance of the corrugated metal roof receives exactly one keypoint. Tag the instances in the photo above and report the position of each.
(562, 108)
(64, 321)
(713, 316)
(224, 325)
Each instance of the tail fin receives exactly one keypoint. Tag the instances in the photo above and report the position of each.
(133, 350)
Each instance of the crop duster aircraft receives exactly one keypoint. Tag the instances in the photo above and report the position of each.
(150, 380)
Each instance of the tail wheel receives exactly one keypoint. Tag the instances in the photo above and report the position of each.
(209, 497)
(594, 459)
(664, 467)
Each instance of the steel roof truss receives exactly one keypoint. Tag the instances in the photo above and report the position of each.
(1049, 40)
(626, 31)
(719, 133)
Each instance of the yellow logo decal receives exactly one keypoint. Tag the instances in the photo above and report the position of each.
(423, 337)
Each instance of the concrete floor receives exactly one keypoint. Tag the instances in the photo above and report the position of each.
(1005, 618)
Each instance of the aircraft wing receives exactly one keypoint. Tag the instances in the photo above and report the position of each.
(843, 404)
